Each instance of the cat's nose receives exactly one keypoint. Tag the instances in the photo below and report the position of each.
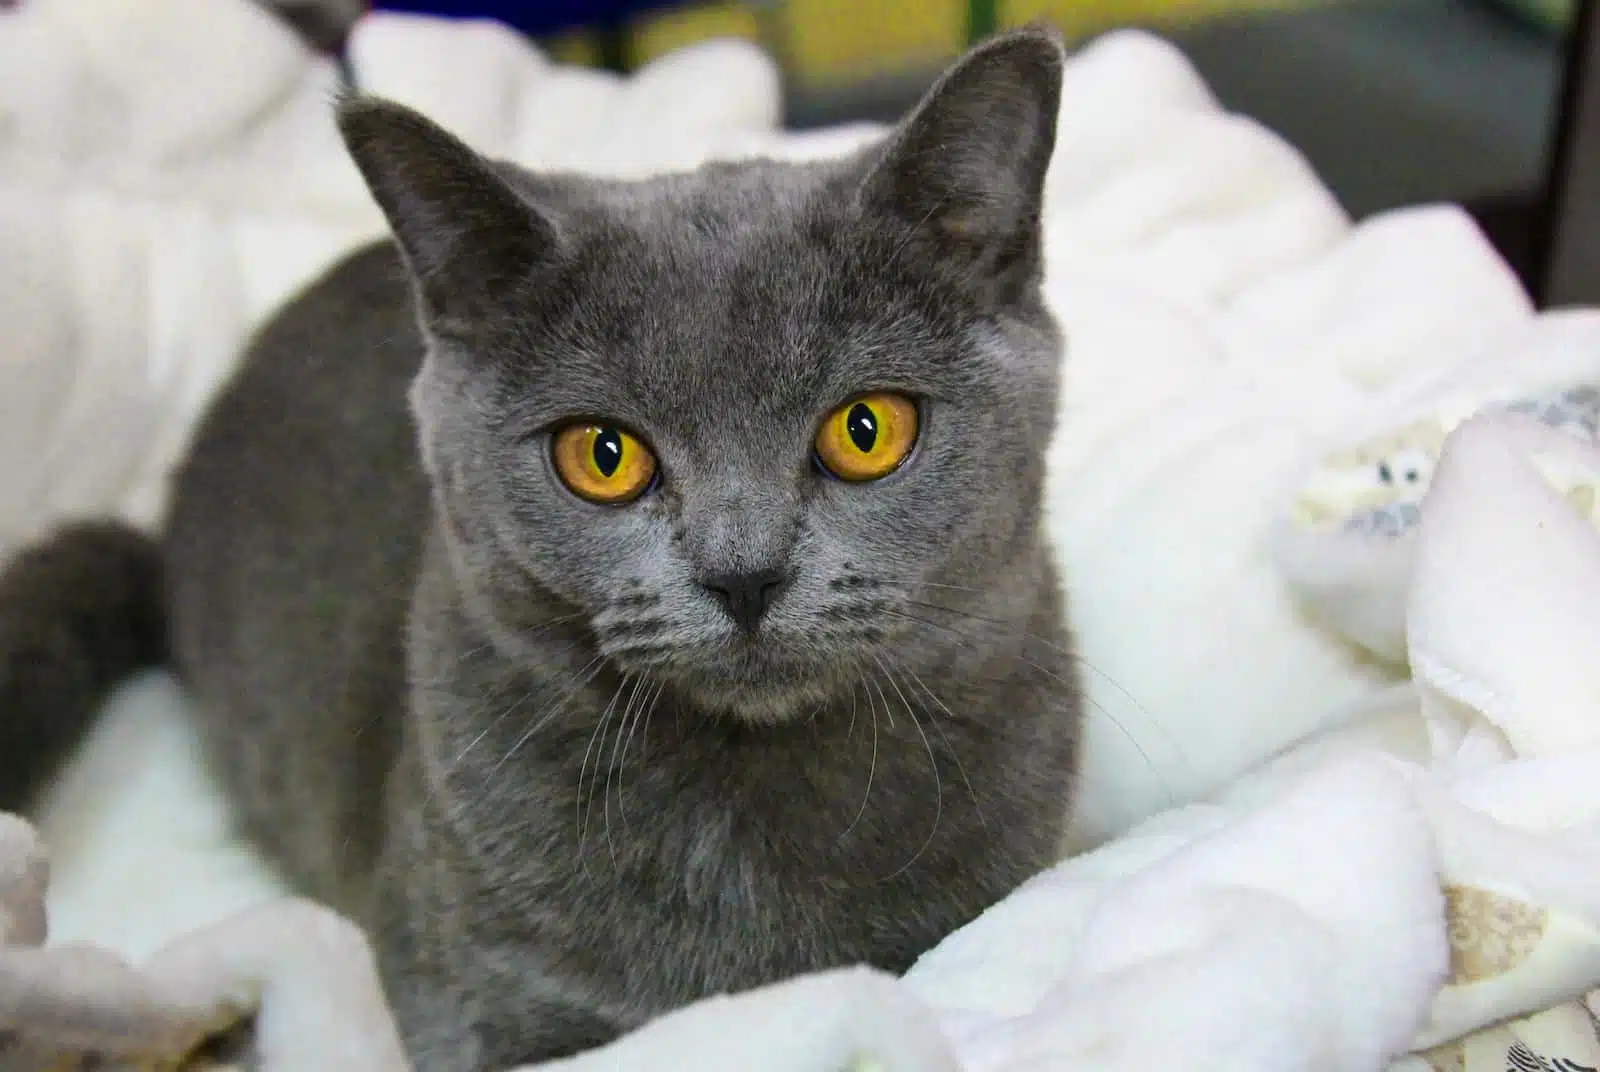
(746, 596)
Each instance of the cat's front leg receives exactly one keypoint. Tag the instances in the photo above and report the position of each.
(463, 1005)
(446, 1031)
(486, 1023)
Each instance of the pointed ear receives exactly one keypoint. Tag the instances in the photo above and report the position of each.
(466, 235)
(965, 170)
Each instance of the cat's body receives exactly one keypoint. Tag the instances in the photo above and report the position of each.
(694, 829)
(546, 748)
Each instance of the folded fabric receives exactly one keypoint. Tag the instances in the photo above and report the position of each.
(292, 983)
(143, 847)
(124, 93)
(672, 113)
(1345, 538)
(1500, 622)
(1506, 567)
(1406, 883)
(854, 1019)
(1226, 947)
(1404, 290)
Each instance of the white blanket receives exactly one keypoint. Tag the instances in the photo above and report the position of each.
(1225, 323)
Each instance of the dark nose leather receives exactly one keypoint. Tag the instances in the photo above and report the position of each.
(746, 596)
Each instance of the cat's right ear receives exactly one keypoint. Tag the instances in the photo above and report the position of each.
(965, 171)
(467, 236)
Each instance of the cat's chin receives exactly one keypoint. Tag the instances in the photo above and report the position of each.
(754, 701)
(755, 683)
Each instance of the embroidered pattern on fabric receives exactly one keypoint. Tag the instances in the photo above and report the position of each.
(1376, 489)
(1564, 1048)
(1451, 1057)
(1489, 934)
(1520, 1059)
(1575, 410)
(1390, 520)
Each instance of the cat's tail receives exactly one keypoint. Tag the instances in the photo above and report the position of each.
(79, 611)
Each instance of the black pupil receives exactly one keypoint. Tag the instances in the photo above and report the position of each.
(607, 452)
(862, 425)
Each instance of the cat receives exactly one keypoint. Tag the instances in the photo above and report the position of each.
(613, 593)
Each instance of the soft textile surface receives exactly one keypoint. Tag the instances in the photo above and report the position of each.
(168, 174)
(1346, 540)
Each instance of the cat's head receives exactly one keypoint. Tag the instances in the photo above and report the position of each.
(750, 422)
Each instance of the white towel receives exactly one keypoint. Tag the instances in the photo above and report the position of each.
(1502, 635)
(1233, 948)
(1345, 538)
(854, 1019)
(1307, 919)
(1423, 284)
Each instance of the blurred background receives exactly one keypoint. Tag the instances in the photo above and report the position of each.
(1393, 101)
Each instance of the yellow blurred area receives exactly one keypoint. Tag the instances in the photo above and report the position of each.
(831, 39)
(1079, 18)
(844, 40)
(662, 33)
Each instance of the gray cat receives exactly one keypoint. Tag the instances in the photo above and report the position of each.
(710, 637)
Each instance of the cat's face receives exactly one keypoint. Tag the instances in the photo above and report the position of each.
(752, 424)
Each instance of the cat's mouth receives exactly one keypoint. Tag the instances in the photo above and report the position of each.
(765, 678)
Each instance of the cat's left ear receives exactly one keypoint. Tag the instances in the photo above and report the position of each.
(468, 238)
(966, 169)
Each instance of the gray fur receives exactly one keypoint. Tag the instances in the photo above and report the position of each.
(78, 612)
(513, 731)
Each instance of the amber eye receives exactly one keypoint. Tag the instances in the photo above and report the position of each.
(602, 463)
(868, 438)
